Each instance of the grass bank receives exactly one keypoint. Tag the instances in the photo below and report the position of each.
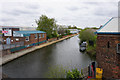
(91, 51)
(87, 35)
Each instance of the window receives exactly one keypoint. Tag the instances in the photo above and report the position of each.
(17, 39)
(108, 44)
(118, 48)
(35, 36)
(27, 38)
(11, 40)
(43, 35)
(39, 35)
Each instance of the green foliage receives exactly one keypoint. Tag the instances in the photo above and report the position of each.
(94, 28)
(46, 24)
(51, 28)
(61, 30)
(58, 71)
(60, 36)
(91, 50)
(67, 32)
(86, 28)
(74, 27)
(55, 34)
(74, 74)
(86, 35)
(81, 71)
(70, 74)
(79, 28)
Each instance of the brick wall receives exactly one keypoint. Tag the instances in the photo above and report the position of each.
(52, 39)
(14, 39)
(11, 37)
(42, 39)
(33, 40)
(107, 57)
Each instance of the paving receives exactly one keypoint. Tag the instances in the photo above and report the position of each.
(13, 56)
(1, 47)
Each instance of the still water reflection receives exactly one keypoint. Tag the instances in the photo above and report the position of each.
(37, 63)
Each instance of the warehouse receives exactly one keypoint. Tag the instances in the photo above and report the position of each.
(15, 40)
(108, 49)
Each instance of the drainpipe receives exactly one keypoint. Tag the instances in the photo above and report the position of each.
(38, 38)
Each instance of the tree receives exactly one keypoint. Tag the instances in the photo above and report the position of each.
(46, 24)
(69, 27)
(74, 27)
(67, 31)
(87, 35)
(61, 30)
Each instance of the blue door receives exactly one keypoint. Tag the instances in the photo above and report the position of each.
(8, 41)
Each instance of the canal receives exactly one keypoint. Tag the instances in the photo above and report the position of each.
(38, 63)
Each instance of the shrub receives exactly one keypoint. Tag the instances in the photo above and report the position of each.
(87, 35)
(91, 50)
(74, 74)
(55, 34)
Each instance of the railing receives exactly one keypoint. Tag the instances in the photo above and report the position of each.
(13, 45)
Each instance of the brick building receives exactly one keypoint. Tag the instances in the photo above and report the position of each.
(14, 40)
(30, 37)
(8, 33)
(108, 49)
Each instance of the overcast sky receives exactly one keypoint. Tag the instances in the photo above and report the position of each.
(82, 13)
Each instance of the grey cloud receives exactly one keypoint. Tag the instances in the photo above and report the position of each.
(19, 12)
(73, 8)
(33, 6)
(23, 11)
(106, 12)
(92, 3)
(6, 20)
(11, 13)
(71, 12)
(110, 14)
(100, 3)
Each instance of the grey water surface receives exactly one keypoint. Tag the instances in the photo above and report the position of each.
(37, 63)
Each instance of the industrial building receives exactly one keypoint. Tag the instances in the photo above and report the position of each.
(108, 49)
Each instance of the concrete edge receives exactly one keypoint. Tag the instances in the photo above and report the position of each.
(13, 56)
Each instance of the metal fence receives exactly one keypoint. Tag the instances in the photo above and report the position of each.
(10, 46)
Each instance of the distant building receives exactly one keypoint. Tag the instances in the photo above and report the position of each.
(8, 32)
(74, 31)
(28, 28)
(15, 40)
(108, 49)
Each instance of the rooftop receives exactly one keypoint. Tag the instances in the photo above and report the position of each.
(110, 27)
(29, 32)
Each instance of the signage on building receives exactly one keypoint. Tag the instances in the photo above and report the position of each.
(15, 34)
(7, 32)
(4, 31)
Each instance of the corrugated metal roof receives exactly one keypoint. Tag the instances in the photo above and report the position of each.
(111, 27)
(29, 32)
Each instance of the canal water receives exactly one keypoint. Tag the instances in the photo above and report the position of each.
(38, 63)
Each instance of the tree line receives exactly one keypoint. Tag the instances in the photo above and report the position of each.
(51, 28)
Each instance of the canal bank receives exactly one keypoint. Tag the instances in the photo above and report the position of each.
(13, 56)
(48, 61)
